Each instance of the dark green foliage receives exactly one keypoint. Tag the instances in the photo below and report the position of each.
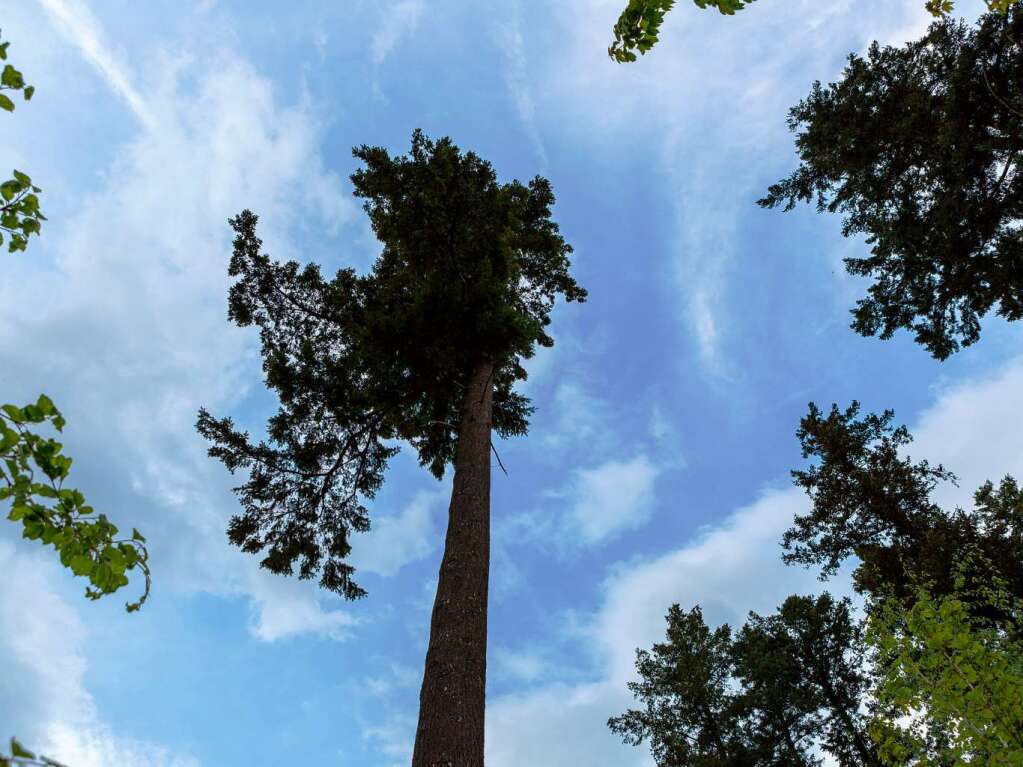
(766, 696)
(919, 148)
(58, 516)
(470, 270)
(871, 500)
(640, 23)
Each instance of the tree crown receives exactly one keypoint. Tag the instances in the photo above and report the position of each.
(870, 499)
(918, 147)
(469, 271)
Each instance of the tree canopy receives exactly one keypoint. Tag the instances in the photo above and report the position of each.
(872, 500)
(639, 24)
(766, 695)
(470, 269)
(948, 683)
(919, 147)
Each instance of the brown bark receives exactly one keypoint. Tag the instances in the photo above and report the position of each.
(452, 699)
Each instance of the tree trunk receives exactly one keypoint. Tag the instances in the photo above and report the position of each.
(452, 699)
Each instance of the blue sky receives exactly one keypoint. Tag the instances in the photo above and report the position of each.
(656, 470)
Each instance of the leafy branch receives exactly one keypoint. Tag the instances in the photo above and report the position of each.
(945, 7)
(22, 757)
(33, 475)
(640, 23)
(20, 216)
(12, 80)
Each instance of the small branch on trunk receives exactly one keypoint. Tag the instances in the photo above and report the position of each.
(444, 423)
(498, 456)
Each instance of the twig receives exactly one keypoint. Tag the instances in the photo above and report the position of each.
(498, 455)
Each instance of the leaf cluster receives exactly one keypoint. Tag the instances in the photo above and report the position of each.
(20, 216)
(639, 24)
(469, 271)
(945, 7)
(770, 694)
(12, 79)
(919, 148)
(964, 671)
(32, 478)
(20, 756)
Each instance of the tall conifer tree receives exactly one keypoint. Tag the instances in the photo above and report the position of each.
(426, 349)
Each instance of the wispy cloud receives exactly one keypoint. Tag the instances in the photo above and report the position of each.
(517, 76)
(132, 316)
(77, 23)
(43, 670)
(400, 20)
(716, 130)
(730, 569)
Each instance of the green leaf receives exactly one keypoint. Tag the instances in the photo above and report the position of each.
(17, 512)
(11, 78)
(137, 536)
(18, 750)
(9, 188)
(29, 92)
(6, 103)
(24, 180)
(14, 413)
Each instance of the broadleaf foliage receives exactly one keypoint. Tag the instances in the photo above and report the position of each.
(32, 478)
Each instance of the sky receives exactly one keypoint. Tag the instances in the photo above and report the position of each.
(656, 470)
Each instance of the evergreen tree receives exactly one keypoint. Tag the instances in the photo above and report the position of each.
(784, 684)
(427, 348)
(919, 148)
(871, 500)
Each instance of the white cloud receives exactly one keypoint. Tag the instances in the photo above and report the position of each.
(974, 429)
(126, 321)
(392, 739)
(76, 21)
(712, 97)
(582, 420)
(399, 539)
(520, 665)
(597, 505)
(517, 77)
(729, 570)
(400, 20)
(612, 498)
(285, 607)
(43, 699)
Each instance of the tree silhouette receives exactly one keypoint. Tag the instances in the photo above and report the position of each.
(427, 349)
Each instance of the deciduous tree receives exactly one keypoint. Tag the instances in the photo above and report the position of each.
(427, 348)
(949, 684)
